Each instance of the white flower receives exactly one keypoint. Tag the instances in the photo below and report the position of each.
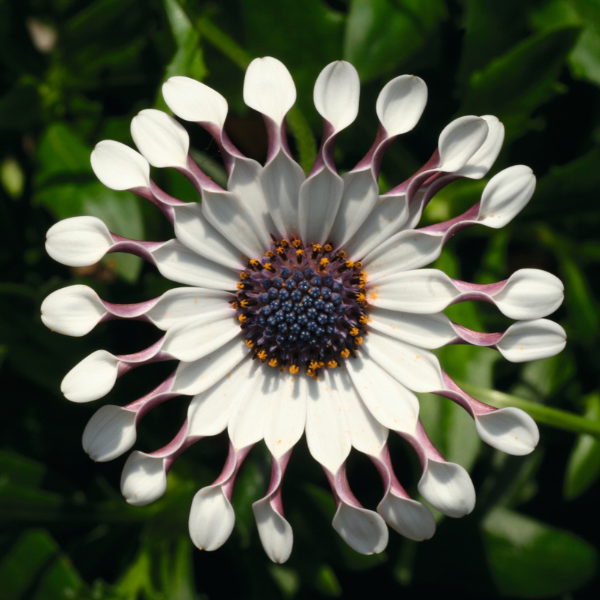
(309, 310)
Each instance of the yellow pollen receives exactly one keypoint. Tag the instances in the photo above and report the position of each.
(345, 353)
(317, 247)
(332, 364)
(235, 305)
(285, 243)
(300, 252)
(342, 254)
(328, 247)
(320, 364)
(354, 331)
(324, 262)
(270, 254)
(244, 303)
(242, 318)
(313, 365)
(243, 275)
(361, 298)
(294, 369)
(273, 362)
(349, 264)
(269, 267)
(240, 286)
(362, 281)
(254, 262)
(281, 251)
(363, 319)
(262, 355)
(358, 340)
(249, 343)
(296, 243)
(310, 372)
(358, 265)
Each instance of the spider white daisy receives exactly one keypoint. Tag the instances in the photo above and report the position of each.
(308, 309)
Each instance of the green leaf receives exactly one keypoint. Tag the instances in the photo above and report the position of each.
(327, 582)
(19, 470)
(515, 84)
(583, 467)
(382, 34)
(60, 580)
(20, 567)
(529, 559)
(584, 59)
(19, 108)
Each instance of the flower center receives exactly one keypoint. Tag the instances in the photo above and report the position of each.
(302, 306)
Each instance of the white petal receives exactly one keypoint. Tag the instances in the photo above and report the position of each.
(275, 532)
(447, 487)
(78, 241)
(244, 182)
(385, 219)
(144, 478)
(269, 88)
(236, 221)
(320, 197)
(281, 180)
(392, 404)
(508, 429)
(210, 411)
(363, 530)
(92, 378)
(481, 162)
(366, 434)
(160, 138)
(505, 195)
(530, 294)
(401, 104)
(424, 291)
(418, 369)
(194, 231)
(532, 340)
(426, 331)
(336, 94)
(178, 263)
(109, 433)
(327, 434)
(195, 338)
(181, 304)
(408, 517)
(358, 199)
(196, 377)
(191, 100)
(74, 310)
(404, 251)
(246, 424)
(286, 416)
(459, 141)
(211, 518)
(119, 167)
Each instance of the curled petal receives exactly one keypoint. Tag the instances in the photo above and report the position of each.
(508, 429)
(74, 310)
(408, 517)
(119, 167)
(447, 487)
(211, 518)
(109, 433)
(401, 103)
(336, 94)
(92, 378)
(459, 141)
(532, 340)
(505, 195)
(269, 88)
(78, 241)
(144, 478)
(481, 162)
(160, 139)
(192, 100)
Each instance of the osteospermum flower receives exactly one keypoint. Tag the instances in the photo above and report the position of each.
(308, 309)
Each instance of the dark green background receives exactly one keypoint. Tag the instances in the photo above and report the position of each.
(65, 530)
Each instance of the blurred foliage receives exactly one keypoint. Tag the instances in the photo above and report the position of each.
(74, 72)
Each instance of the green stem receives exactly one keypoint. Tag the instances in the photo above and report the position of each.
(554, 417)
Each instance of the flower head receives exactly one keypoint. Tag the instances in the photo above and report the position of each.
(307, 310)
